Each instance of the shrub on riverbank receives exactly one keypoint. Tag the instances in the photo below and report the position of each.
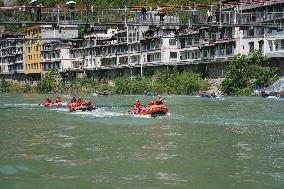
(6, 87)
(165, 82)
(85, 85)
(246, 72)
(50, 82)
(136, 85)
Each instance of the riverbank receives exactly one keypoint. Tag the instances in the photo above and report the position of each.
(162, 82)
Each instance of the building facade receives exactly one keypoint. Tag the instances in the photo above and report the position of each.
(11, 56)
(109, 52)
(36, 53)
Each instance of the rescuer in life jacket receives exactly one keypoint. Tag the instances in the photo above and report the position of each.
(137, 105)
(73, 100)
(58, 100)
(79, 101)
(151, 103)
(159, 100)
(48, 100)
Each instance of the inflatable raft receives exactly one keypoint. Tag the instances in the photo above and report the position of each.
(153, 110)
(209, 96)
(46, 104)
(80, 107)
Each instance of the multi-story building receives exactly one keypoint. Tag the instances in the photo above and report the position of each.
(111, 52)
(11, 56)
(36, 36)
(56, 54)
(216, 46)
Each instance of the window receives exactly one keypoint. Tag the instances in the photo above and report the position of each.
(251, 46)
(276, 45)
(229, 49)
(212, 51)
(212, 36)
(205, 52)
(157, 44)
(222, 49)
(189, 41)
(154, 57)
(173, 54)
(251, 33)
(172, 41)
(260, 45)
(230, 32)
(196, 40)
(282, 43)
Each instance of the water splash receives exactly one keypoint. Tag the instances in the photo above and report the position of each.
(21, 105)
(98, 113)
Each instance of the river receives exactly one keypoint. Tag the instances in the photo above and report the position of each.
(234, 142)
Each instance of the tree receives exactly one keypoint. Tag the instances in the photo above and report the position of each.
(246, 72)
(49, 82)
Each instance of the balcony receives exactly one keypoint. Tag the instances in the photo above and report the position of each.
(275, 54)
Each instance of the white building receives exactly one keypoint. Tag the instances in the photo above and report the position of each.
(11, 56)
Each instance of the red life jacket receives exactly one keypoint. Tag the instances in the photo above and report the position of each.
(58, 100)
(137, 105)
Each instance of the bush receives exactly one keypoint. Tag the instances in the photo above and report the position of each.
(246, 72)
(86, 85)
(5, 86)
(167, 82)
(49, 82)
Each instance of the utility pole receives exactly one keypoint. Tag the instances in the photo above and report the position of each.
(141, 57)
(141, 60)
(220, 14)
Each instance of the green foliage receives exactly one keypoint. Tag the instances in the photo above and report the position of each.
(26, 88)
(50, 82)
(244, 73)
(85, 85)
(172, 82)
(167, 82)
(5, 86)
(124, 85)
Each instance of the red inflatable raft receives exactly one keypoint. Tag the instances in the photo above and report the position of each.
(153, 110)
(80, 107)
(46, 104)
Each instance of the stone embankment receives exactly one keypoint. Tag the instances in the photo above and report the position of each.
(214, 85)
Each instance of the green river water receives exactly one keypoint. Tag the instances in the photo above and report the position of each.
(235, 142)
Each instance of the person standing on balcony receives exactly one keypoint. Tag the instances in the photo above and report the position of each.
(71, 6)
(143, 13)
(39, 12)
(162, 14)
(33, 10)
(209, 16)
